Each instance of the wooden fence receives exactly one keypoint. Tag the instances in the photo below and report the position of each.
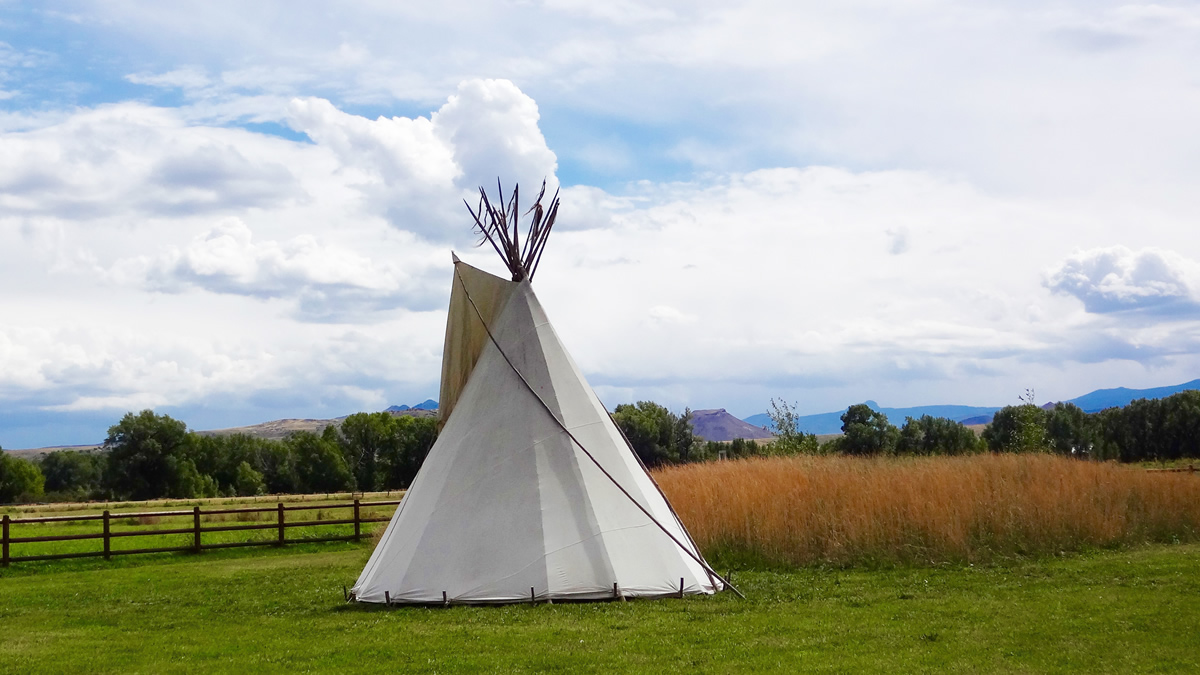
(196, 529)
(1190, 468)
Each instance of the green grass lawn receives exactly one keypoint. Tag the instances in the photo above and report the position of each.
(281, 610)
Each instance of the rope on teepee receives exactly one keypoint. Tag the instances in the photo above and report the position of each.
(693, 555)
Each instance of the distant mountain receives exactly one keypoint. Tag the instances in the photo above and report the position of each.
(831, 422)
(34, 454)
(1108, 398)
(718, 425)
(276, 429)
(279, 429)
(428, 404)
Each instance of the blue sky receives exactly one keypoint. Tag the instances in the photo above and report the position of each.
(235, 213)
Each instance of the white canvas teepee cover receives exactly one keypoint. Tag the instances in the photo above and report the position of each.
(507, 507)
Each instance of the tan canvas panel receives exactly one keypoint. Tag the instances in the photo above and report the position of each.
(465, 334)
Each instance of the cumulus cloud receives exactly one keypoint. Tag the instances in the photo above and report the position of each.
(327, 282)
(238, 266)
(237, 276)
(144, 179)
(1117, 279)
(272, 370)
(416, 171)
(985, 90)
(134, 159)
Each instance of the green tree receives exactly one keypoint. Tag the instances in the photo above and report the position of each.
(186, 481)
(222, 456)
(402, 458)
(657, 435)
(248, 482)
(789, 439)
(276, 462)
(683, 438)
(382, 450)
(1181, 422)
(1017, 428)
(1070, 431)
(20, 480)
(147, 457)
(73, 474)
(320, 465)
(735, 449)
(741, 447)
(1150, 429)
(1109, 425)
(935, 436)
(867, 432)
(365, 438)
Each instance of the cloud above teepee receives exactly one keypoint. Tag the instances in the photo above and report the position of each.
(250, 211)
(416, 171)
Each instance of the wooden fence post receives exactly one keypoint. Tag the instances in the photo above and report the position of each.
(280, 542)
(357, 523)
(107, 538)
(196, 528)
(4, 542)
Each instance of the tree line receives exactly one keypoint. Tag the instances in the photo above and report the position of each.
(660, 437)
(1145, 430)
(151, 456)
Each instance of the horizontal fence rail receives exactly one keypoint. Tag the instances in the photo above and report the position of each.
(197, 528)
(1190, 468)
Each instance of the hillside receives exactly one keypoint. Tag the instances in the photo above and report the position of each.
(279, 429)
(1109, 398)
(718, 425)
(36, 453)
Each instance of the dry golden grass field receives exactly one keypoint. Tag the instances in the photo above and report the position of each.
(852, 511)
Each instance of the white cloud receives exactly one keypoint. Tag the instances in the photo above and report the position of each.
(1011, 96)
(931, 161)
(795, 287)
(168, 262)
(327, 282)
(417, 171)
(1117, 278)
(133, 159)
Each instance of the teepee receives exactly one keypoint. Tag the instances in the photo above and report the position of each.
(530, 493)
